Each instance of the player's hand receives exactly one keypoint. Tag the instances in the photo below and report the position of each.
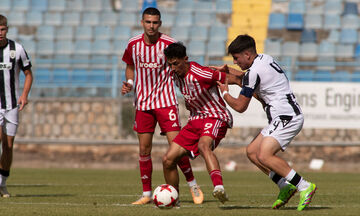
(126, 88)
(22, 102)
(223, 68)
(223, 86)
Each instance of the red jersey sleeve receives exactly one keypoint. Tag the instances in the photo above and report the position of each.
(127, 57)
(218, 76)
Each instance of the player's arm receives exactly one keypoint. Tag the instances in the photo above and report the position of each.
(233, 79)
(23, 99)
(226, 69)
(239, 104)
(129, 74)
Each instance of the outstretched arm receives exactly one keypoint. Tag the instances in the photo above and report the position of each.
(239, 104)
(233, 79)
(226, 69)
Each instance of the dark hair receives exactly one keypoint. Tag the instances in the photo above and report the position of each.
(241, 43)
(151, 11)
(3, 20)
(175, 50)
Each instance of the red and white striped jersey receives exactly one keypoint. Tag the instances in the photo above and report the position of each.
(154, 86)
(202, 96)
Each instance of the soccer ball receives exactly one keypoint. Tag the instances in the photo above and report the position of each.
(165, 196)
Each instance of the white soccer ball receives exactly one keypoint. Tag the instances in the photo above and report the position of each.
(231, 166)
(165, 196)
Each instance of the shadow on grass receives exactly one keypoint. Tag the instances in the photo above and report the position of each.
(43, 195)
(231, 207)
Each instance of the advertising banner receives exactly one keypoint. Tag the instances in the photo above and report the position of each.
(324, 104)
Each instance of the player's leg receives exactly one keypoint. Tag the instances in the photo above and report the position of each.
(286, 190)
(212, 131)
(144, 126)
(212, 164)
(170, 160)
(185, 167)
(6, 161)
(9, 122)
(268, 148)
(252, 150)
(169, 123)
(184, 162)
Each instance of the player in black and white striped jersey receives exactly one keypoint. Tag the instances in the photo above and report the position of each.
(13, 58)
(268, 81)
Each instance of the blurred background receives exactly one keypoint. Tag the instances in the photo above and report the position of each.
(77, 118)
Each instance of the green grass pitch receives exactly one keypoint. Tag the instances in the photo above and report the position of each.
(110, 192)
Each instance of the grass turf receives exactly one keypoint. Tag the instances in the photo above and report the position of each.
(110, 192)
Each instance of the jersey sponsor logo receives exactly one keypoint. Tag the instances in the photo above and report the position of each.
(7, 66)
(188, 97)
(150, 65)
(174, 125)
(12, 54)
(206, 132)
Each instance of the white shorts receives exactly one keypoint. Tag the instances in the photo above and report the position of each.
(9, 120)
(284, 129)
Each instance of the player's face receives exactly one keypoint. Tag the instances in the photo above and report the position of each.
(151, 24)
(242, 60)
(178, 65)
(3, 32)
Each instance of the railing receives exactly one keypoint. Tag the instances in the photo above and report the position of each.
(108, 73)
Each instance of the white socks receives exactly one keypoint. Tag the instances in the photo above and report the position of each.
(192, 183)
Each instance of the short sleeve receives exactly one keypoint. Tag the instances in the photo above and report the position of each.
(127, 57)
(250, 82)
(24, 61)
(218, 76)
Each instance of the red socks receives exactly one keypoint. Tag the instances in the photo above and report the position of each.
(185, 166)
(216, 177)
(145, 171)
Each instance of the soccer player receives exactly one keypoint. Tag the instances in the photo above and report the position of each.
(13, 58)
(155, 98)
(266, 78)
(208, 121)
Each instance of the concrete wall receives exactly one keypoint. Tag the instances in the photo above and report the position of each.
(110, 120)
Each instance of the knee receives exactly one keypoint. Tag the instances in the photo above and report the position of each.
(262, 157)
(167, 162)
(145, 149)
(203, 148)
(250, 153)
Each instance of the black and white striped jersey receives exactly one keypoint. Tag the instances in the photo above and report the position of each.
(266, 78)
(13, 58)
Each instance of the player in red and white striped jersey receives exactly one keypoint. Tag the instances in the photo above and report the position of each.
(155, 98)
(201, 94)
(154, 86)
(209, 118)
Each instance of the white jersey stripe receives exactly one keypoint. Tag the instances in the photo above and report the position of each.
(216, 128)
(199, 72)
